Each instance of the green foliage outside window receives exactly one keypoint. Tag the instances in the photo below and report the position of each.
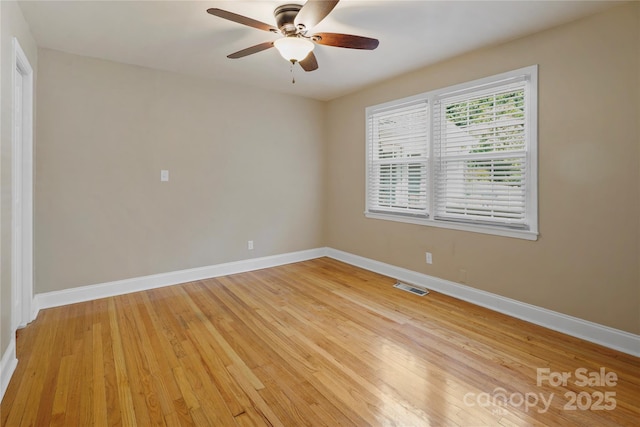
(496, 124)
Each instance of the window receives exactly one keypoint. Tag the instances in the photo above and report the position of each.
(462, 157)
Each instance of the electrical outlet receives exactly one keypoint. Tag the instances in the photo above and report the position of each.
(164, 175)
(250, 245)
(429, 258)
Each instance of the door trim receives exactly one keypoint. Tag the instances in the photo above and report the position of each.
(22, 181)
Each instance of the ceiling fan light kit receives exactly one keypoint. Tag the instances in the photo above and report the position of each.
(293, 48)
(293, 22)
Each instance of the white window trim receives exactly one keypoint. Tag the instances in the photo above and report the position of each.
(532, 159)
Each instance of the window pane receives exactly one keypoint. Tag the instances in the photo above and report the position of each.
(482, 153)
(397, 175)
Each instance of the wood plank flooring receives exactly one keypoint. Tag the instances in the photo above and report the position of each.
(312, 343)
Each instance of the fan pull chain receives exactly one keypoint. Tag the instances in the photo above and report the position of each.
(293, 76)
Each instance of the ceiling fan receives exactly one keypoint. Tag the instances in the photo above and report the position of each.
(293, 22)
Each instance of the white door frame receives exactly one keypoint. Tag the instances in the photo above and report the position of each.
(21, 190)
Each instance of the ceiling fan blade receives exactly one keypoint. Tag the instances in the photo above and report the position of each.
(314, 11)
(242, 19)
(345, 40)
(250, 50)
(309, 63)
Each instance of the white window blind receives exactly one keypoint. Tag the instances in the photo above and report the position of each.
(481, 151)
(397, 159)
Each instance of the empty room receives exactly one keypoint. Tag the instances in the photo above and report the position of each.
(320, 213)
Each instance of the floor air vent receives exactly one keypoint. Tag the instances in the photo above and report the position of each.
(412, 289)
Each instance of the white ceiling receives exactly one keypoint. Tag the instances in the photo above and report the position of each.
(180, 36)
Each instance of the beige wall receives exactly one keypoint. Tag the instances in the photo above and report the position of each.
(585, 263)
(244, 164)
(12, 25)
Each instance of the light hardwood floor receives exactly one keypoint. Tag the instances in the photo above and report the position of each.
(312, 343)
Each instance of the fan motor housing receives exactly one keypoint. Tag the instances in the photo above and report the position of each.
(285, 16)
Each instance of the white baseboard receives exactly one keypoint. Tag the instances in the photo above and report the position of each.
(589, 331)
(609, 337)
(126, 286)
(8, 365)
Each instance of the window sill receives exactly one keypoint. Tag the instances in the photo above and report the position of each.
(484, 229)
